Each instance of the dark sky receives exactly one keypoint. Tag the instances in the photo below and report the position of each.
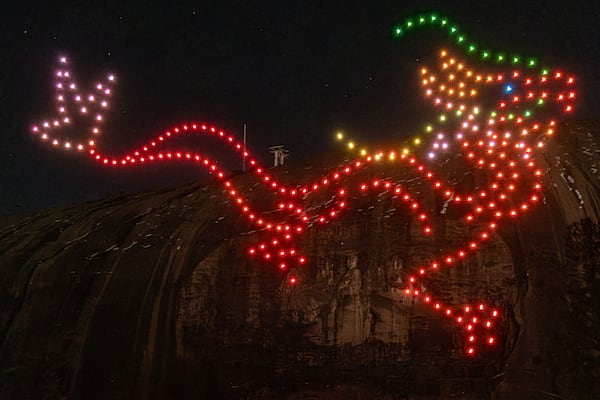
(294, 71)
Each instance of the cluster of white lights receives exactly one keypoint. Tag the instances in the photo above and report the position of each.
(72, 104)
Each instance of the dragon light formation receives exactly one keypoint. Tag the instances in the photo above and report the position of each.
(495, 111)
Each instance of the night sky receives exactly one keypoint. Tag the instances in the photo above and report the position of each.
(294, 72)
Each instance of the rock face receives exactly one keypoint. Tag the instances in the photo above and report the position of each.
(154, 296)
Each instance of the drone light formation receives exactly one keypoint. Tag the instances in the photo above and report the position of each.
(493, 119)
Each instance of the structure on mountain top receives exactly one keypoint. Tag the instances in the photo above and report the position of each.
(279, 154)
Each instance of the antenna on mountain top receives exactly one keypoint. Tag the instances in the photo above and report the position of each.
(279, 154)
(244, 153)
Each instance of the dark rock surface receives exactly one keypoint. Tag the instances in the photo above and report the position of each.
(153, 296)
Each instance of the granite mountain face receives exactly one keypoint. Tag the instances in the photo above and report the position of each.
(154, 296)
